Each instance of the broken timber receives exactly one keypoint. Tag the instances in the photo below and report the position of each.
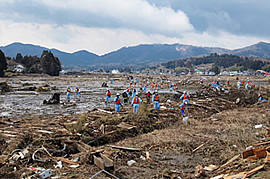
(104, 111)
(125, 125)
(124, 148)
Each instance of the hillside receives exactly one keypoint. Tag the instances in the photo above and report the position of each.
(82, 57)
(139, 56)
(225, 61)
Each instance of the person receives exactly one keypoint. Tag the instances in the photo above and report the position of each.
(148, 96)
(108, 96)
(238, 85)
(260, 97)
(77, 92)
(247, 86)
(136, 103)
(117, 102)
(125, 97)
(68, 94)
(183, 108)
(133, 92)
(185, 96)
(228, 82)
(128, 91)
(155, 100)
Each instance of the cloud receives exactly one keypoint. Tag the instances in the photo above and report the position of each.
(138, 15)
(103, 26)
(242, 17)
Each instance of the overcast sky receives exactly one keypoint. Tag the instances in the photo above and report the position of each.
(102, 26)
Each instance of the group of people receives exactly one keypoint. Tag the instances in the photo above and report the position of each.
(77, 93)
(154, 98)
(135, 102)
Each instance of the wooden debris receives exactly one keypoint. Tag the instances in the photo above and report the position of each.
(67, 161)
(206, 107)
(211, 168)
(239, 175)
(230, 161)
(254, 153)
(104, 111)
(102, 129)
(200, 146)
(263, 143)
(103, 162)
(125, 125)
(124, 148)
(252, 172)
(44, 131)
(148, 155)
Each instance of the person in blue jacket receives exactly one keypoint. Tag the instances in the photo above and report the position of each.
(155, 100)
(108, 96)
(68, 94)
(136, 103)
(183, 107)
(117, 102)
(260, 97)
(77, 92)
(185, 97)
(247, 86)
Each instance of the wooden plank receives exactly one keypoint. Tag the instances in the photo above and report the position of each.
(107, 161)
(124, 148)
(67, 161)
(125, 125)
(230, 161)
(252, 172)
(99, 162)
(101, 110)
(263, 143)
(260, 153)
(239, 175)
(247, 153)
(9, 135)
(206, 107)
(200, 146)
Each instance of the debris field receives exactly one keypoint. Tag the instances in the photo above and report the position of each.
(226, 135)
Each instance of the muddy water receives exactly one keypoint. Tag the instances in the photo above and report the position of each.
(23, 103)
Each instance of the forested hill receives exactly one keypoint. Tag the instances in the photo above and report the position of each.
(224, 61)
(140, 56)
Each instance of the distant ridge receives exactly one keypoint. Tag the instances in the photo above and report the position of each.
(136, 56)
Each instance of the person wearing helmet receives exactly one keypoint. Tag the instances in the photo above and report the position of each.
(155, 100)
(77, 92)
(185, 97)
(117, 102)
(108, 96)
(136, 103)
(183, 108)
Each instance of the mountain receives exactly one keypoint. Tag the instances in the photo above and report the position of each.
(156, 53)
(67, 59)
(260, 49)
(136, 56)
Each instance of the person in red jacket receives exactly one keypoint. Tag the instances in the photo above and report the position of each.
(117, 102)
(135, 103)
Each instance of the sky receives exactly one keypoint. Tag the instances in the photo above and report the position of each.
(103, 26)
